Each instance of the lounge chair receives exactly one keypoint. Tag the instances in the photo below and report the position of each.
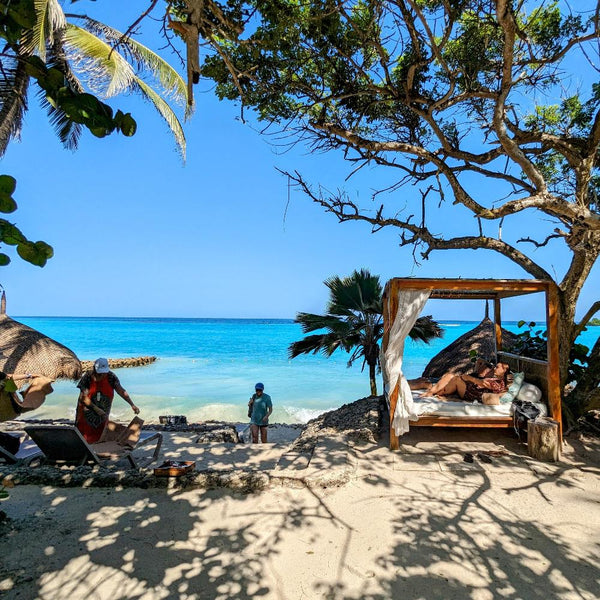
(64, 443)
(28, 451)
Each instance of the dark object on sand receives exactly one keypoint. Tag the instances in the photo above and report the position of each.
(174, 468)
(484, 458)
(468, 457)
(172, 420)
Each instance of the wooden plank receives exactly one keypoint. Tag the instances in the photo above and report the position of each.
(438, 421)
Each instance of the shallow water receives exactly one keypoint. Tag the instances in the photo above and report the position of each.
(207, 368)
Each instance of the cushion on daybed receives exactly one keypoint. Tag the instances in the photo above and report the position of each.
(513, 388)
(529, 393)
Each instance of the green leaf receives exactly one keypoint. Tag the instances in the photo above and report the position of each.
(36, 253)
(8, 185)
(126, 123)
(7, 203)
(10, 234)
(4, 259)
(3, 494)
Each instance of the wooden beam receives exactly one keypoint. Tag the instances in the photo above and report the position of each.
(495, 286)
(498, 325)
(554, 391)
(390, 310)
(438, 421)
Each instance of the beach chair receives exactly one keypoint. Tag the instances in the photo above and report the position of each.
(64, 443)
(28, 451)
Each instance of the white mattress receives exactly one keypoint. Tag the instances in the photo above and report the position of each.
(426, 405)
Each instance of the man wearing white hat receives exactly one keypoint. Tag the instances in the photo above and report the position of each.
(97, 390)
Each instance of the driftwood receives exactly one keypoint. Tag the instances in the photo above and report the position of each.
(542, 439)
(118, 363)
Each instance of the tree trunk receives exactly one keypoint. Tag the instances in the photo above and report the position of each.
(372, 379)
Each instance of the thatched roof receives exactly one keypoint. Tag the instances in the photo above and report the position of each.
(25, 350)
(455, 357)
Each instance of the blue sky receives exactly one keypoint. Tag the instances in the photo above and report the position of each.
(138, 233)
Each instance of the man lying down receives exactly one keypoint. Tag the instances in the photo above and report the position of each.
(483, 385)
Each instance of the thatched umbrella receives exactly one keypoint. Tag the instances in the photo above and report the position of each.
(455, 358)
(25, 350)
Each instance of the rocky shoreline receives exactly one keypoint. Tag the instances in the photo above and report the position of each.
(356, 421)
(119, 363)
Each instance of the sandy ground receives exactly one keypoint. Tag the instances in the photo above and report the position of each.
(417, 524)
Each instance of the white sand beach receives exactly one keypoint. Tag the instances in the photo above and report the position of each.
(356, 522)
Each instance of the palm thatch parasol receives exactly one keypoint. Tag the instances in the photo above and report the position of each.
(25, 350)
(455, 358)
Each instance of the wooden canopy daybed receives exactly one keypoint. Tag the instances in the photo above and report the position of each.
(544, 374)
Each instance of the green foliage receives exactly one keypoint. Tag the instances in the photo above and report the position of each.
(79, 107)
(36, 253)
(533, 343)
(594, 322)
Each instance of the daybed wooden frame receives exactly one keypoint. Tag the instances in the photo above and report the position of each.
(484, 289)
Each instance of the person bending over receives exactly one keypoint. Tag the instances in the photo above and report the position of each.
(97, 390)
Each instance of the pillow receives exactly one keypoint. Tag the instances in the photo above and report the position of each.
(513, 388)
(529, 393)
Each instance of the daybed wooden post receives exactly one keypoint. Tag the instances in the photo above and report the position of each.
(554, 392)
(497, 325)
(390, 297)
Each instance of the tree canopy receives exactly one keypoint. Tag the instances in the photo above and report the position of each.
(451, 96)
(72, 59)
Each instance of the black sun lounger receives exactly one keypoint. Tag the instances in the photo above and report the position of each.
(64, 443)
(28, 451)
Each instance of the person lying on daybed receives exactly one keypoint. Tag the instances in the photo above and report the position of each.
(470, 388)
(482, 368)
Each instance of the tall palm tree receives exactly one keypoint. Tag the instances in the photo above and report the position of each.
(354, 323)
(92, 56)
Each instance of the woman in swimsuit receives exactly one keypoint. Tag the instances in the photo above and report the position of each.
(469, 388)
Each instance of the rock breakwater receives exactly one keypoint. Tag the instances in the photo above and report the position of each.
(119, 363)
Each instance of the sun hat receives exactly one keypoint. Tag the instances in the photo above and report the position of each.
(259, 386)
(101, 365)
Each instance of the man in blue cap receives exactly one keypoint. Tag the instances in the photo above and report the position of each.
(260, 408)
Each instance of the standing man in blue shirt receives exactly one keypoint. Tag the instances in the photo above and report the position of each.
(261, 408)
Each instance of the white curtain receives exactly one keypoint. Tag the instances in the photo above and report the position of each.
(410, 305)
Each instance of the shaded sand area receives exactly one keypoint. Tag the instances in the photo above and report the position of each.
(341, 518)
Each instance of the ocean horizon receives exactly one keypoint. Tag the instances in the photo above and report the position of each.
(206, 368)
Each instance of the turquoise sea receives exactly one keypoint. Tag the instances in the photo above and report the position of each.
(207, 368)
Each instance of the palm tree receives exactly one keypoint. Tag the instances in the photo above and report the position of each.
(354, 323)
(91, 56)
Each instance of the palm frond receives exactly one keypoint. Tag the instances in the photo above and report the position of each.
(170, 80)
(313, 344)
(67, 130)
(108, 72)
(360, 292)
(311, 322)
(166, 112)
(49, 20)
(13, 101)
(425, 329)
